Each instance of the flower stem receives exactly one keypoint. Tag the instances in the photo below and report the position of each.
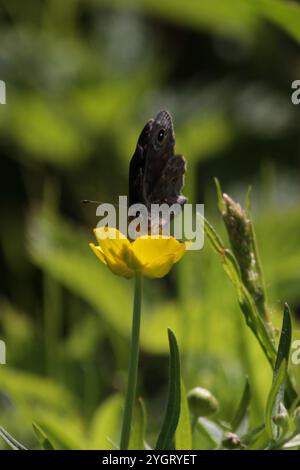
(133, 364)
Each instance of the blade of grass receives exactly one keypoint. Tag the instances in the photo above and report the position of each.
(285, 339)
(137, 436)
(258, 441)
(242, 408)
(11, 441)
(221, 203)
(183, 435)
(271, 428)
(166, 436)
(280, 373)
(105, 424)
(42, 437)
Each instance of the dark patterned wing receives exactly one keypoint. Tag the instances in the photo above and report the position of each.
(160, 148)
(169, 186)
(156, 175)
(137, 166)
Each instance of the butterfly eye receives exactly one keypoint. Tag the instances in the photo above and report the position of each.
(160, 135)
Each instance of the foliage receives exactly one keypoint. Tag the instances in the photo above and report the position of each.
(82, 78)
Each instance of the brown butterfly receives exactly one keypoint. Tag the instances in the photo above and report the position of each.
(156, 174)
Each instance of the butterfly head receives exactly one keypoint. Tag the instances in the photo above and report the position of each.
(163, 137)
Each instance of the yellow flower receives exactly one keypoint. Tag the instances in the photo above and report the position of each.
(152, 257)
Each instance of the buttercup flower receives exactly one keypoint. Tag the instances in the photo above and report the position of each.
(151, 257)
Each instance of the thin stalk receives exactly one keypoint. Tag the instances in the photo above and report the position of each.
(133, 364)
(261, 303)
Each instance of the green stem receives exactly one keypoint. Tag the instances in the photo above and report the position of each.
(133, 364)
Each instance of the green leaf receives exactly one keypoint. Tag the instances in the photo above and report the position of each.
(286, 15)
(294, 442)
(42, 437)
(166, 436)
(64, 432)
(221, 203)
(49, 129)
(236, 18)
(137, 435)
(11, 441)
(105, 425)
(271, 428)
(280, 373)
(285, 339)
(183, 435)
(210, 430)
(214, 238)
(242, 408)
(251, 436)
(258, 439)
(31, 391)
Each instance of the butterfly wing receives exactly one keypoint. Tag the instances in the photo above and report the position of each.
(156, 175)
(137, 166)
(169, 186)
(160, 148)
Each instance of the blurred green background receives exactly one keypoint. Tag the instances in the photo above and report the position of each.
(82, 78)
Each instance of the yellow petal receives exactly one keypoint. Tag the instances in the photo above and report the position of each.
(180, 251)
(154, 257)
(108, 232)
(157, 255)
(116, 249)
(119, 268)
(119, 246)
(111, 243)
(132, 261)
(159, 267)
(148, 249)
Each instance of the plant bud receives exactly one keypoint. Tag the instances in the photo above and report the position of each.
(202, 402)
(231, 441)
(242, 239)
(281, 418)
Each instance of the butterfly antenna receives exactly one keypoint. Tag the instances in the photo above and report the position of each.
(90, 201)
